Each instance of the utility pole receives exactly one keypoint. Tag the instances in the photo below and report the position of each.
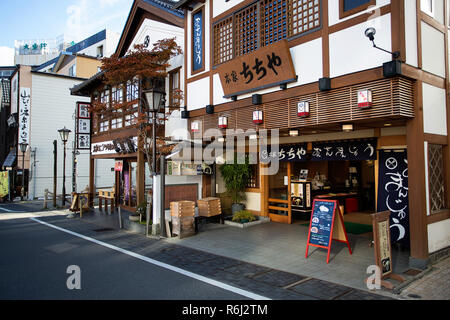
(55, 171)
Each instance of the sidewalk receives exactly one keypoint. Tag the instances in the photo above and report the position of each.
(267, 259)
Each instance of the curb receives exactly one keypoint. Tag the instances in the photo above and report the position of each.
(398, 289)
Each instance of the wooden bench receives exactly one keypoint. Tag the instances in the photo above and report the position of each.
(106, 195)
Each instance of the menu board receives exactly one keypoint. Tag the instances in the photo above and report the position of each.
(321, 223)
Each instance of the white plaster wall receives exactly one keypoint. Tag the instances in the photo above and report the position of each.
(351, 50)
(253, 201)
(53, 108)
(434, 110)
(176, 127)
(438, 235)
(333, 11)
(307, 60)
(222, 6)
(157, 31)
(198, 94)
(433, 50)
(438, 10)
(411, 32)
(218, 91)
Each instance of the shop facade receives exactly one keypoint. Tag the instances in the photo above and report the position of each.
(364, 126)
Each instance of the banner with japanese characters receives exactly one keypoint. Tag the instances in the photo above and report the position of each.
(295, 152)
(198, 41)
(345, 150)
(266, 67)
(393, 193)
(83, 126)
(24, 115)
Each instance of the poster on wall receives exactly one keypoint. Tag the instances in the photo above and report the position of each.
(4, 184)
(393, 193)
(24, 115)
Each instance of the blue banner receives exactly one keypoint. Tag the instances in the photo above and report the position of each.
(393, 193)
(197, 45)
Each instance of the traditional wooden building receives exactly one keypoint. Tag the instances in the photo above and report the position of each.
(358, 91)
(117, 136)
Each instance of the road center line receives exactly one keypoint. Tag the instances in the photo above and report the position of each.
(160, 264)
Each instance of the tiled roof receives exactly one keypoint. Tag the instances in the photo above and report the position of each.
(167, 5)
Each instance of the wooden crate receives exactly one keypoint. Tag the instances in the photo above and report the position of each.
(209, 207)
(183, 226)
(182, 209)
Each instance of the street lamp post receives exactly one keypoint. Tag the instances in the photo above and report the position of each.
(64, 133)
(155, 99)
(23, 149)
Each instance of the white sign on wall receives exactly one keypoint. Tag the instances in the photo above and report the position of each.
(24, 115)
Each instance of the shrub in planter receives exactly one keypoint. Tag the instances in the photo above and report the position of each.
(140, 214)
(236, 176)
(243, 216)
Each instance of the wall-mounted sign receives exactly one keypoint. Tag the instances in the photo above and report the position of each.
(258, 117)
(125, 145)
(303, 109)
(198, 41)
(364, 99)
(223, 122)
(83, 126)
(266, 67)
(345, 150)
(118, 166)
(285, 153)
(195, 126)
(102, 148)
(24, 115)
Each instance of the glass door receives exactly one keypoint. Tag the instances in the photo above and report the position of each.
(279, 194)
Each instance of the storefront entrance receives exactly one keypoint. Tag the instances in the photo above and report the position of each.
(126, 182)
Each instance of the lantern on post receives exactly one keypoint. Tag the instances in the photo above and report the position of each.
(223, 122)
(258, 117)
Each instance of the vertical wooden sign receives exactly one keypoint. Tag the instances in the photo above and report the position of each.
(323, 229)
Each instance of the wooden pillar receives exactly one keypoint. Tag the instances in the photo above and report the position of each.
(140, 177)
(417, 191)
(91, 182)
(264, 187)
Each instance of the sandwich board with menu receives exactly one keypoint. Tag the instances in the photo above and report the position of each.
(326, 225)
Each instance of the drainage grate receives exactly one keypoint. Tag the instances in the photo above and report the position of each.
(412, 272)
(103, 230)
(414, 296)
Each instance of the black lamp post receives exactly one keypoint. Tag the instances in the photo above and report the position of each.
(23, 148)
(155, 100)
(64, 133)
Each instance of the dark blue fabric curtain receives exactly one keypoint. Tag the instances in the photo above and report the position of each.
(393, 193)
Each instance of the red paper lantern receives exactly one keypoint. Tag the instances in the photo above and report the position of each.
(258, 117)
(223, 122)
(195, 126)
(303, 109)
(364, 99)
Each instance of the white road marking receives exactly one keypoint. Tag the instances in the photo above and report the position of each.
(160, 264)
(10, 211)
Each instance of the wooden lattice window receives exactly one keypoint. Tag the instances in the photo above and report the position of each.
(223, 45)
(246, 29)
(436, 178)
(303, 16)
(273, 15)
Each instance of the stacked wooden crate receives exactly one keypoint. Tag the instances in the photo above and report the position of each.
(183, 214)
(209, 207)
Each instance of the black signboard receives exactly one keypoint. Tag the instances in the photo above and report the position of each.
(321, 223)
(345, 150)
(393, 193)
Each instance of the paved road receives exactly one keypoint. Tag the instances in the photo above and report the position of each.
(34, 259)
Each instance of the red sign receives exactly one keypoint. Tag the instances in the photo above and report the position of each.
(119, 166)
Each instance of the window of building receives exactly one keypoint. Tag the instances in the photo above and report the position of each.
(104, 97)
(436, 177)
(174, 87)
(262, 23)
(104, 126)
(253, 181)
(131, 119)
(427, 6)
(116, 123)
(117, 94)
(100, 52)
(350, 7)
(73, 71)
(132, 90)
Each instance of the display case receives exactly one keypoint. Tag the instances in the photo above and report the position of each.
(301, 196)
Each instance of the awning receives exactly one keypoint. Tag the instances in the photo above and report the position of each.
(9, 161)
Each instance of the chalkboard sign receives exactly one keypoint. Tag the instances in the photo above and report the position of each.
(321, 223)
(324, 228)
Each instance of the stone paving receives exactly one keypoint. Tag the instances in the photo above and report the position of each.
(435, 285)
(260, 279)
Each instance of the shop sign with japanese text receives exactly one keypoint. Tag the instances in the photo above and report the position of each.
(267, 67)
(24, 115)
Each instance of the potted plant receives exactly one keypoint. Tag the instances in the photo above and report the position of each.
(236, 176)
(243, 216)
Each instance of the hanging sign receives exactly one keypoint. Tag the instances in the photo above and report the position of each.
(197, 34)
(364, 99)
(303, 109)
(4, 183)
(345, 150)
(24, 115)
(266, 67)
(393, 193)
(324, 228)
(118, 167)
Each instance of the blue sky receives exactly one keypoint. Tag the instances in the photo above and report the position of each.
(47, 19)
